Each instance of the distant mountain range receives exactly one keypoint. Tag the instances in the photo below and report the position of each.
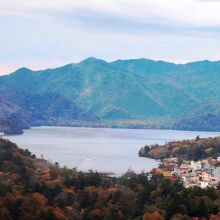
(123, 93)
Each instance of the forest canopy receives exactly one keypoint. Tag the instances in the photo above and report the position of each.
(32, 188)
(198, 149)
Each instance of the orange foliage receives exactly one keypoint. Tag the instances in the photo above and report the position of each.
(59, 214)
(53, 183)
(153, 216)
(208, 150)
(67, 190)
(97, 212)
(112, 190)
(4, 214)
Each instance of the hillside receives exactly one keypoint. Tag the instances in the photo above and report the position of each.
(12, 118)
(198, 149)
(32, 188)
(142, 93)
(48, 108)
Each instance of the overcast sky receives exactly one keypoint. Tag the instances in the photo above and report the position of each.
(47, 33)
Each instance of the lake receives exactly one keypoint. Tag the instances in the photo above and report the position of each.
(101, 149)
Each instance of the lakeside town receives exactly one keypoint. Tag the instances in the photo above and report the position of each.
(202, 173)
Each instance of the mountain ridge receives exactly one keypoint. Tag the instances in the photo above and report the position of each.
(135, 89)
(115, 61)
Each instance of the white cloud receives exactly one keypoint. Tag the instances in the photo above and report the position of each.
(48, 33)
(191, 13)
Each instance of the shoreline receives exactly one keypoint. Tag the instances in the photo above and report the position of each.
(126, 124)
(108, 138)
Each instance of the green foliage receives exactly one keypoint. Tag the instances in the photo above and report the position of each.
(129, 93)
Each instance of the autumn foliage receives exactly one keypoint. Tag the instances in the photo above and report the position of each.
(198, 149)
(33, 189)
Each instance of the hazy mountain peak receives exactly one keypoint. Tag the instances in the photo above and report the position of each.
(91, 60)
(23, 69)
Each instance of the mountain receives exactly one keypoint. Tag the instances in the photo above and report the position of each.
(47, 108)
(136, 92)
(12, 119)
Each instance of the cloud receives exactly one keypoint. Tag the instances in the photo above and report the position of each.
(48, 33)
(187, 13)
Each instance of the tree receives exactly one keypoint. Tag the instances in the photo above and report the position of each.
(153, 216)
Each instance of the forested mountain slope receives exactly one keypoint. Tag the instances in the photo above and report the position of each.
(139, 90)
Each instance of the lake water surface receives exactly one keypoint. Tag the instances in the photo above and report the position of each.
(101, 149)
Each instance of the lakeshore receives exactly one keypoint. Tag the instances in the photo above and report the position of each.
(104, 150)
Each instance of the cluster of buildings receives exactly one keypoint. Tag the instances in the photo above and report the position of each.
(199, 173)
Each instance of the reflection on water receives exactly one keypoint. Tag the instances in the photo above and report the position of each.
(101, 149)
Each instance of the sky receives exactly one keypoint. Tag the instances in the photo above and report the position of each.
(41, 34)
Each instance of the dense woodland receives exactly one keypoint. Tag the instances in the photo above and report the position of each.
(98, 93)
(32, 188)
(198, 149)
